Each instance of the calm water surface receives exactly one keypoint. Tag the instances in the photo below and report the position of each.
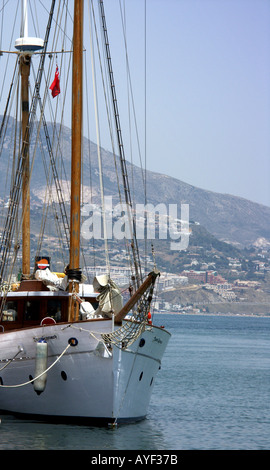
(212, 392)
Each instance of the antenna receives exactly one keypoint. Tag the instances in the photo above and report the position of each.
(25, 44)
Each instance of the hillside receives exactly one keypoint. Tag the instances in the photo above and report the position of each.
(195, 297)
(228, 218)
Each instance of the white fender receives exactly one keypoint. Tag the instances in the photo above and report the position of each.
(41, 366)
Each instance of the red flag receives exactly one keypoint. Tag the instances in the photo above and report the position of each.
(55, 86)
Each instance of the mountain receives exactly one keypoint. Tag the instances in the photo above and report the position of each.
(229, 218)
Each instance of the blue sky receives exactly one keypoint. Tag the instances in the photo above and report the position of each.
(207, 86)
(208, 91)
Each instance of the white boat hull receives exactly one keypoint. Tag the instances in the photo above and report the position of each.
(88, 382)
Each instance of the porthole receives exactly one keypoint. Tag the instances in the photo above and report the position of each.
(63, 375)
(151, 381)
(1, 381)
(141, 375)
(142, 342)
(73, 341)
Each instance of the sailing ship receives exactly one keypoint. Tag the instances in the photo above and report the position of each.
(69, 350)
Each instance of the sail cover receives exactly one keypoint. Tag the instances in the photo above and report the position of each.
(110, 298)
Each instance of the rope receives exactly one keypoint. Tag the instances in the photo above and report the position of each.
(109, 123)
(128, 333)
(31, 381)
(8, 232)
(131, 219)
(20, 350)
(99, 153)
(9, 48)
(91, 333)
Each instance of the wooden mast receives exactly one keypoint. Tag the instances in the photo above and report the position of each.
(26, 46)
(74, 260)
(25, 61)
(25, 72)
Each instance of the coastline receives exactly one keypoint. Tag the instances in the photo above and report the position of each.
(213, 314)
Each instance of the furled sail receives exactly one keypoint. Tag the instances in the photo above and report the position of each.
(110, 298)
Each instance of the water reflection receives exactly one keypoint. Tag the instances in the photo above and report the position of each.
(21, 434)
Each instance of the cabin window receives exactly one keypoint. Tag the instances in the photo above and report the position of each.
(31, 310)
(54, 309)
(10, 312)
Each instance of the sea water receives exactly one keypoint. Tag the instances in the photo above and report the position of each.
(212, 393)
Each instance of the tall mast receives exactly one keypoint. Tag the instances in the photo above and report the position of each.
(76, 150)
(26, 46)
(25, 61)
